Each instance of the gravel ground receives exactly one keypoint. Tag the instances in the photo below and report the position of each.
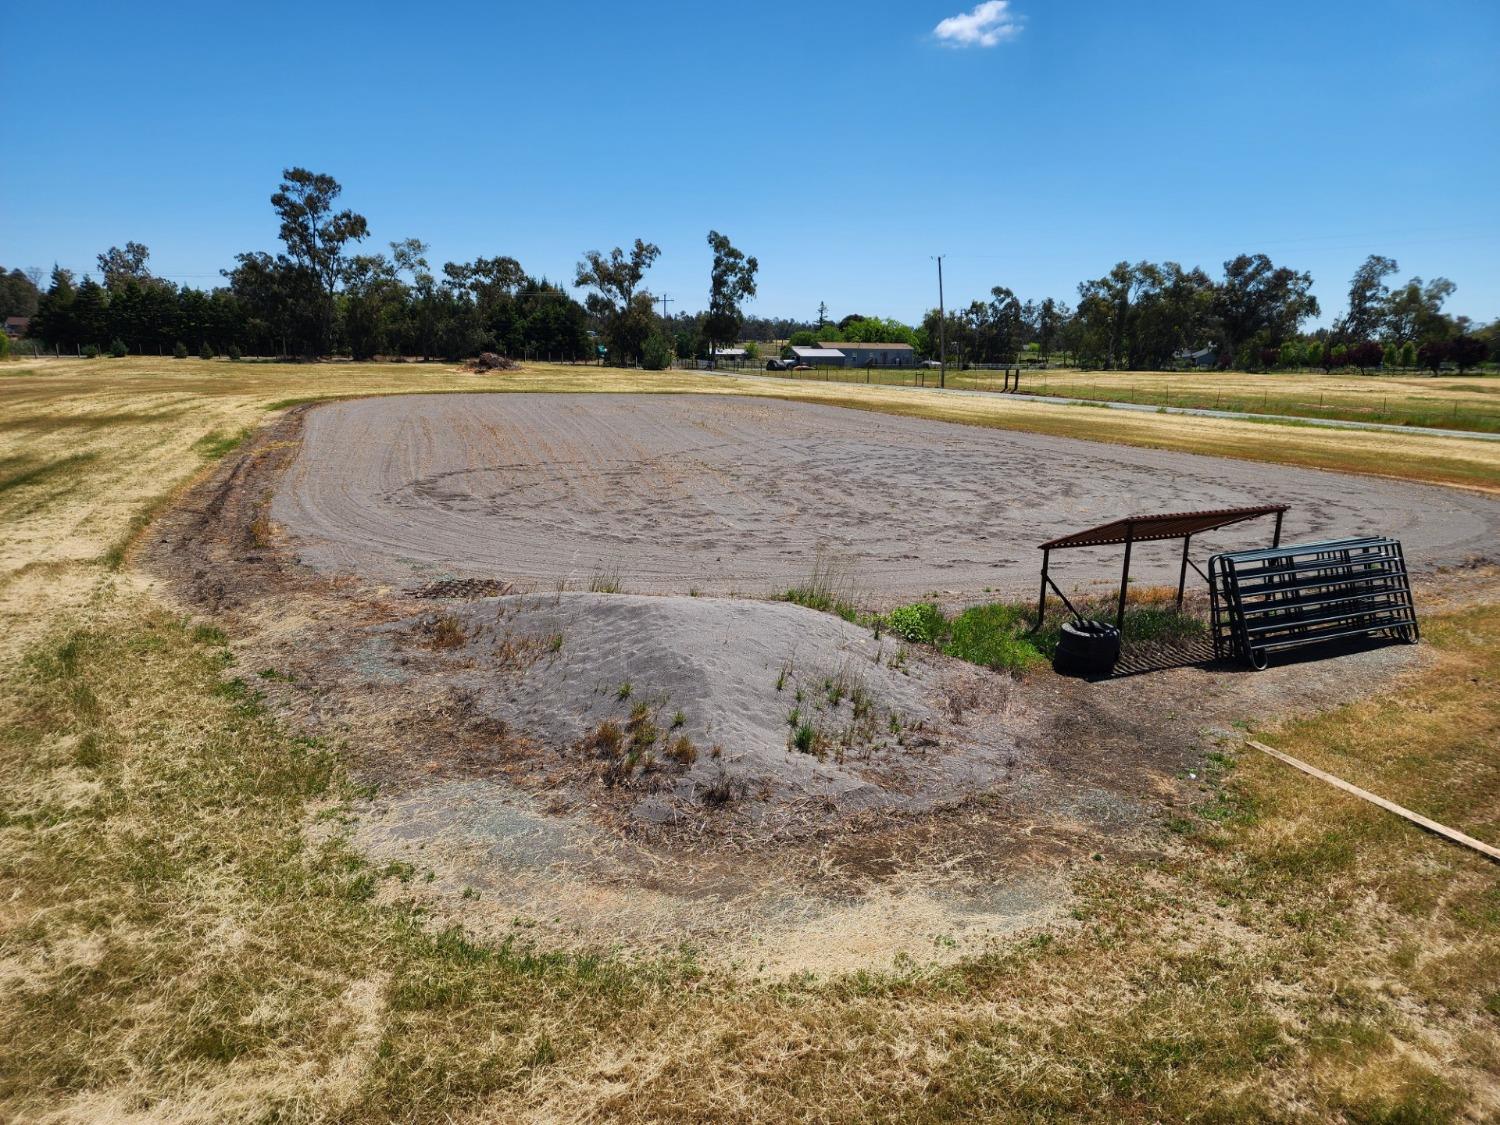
(675, 494)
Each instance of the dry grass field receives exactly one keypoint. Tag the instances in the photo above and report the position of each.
(1449, 401)
(188, 935)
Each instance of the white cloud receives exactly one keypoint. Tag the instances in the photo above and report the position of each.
(988, 25)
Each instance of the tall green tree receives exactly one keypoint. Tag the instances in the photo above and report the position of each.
(1259, 304)
(1107, 311)
(54, 321)
(1045, 323)
(91, 313)
(18, 293)
(625, 316)
(316, 235)
(1368, 301)
(420, 329)
(117, 266)
(282, 300)
(371, 296)
(876, 330)
(731, 281)
(1414, 312)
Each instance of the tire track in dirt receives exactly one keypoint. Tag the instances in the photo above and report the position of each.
(731, 495)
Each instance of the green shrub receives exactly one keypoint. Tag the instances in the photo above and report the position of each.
(118, 349)
(179, 350)
(234, 352)
(90, 351)
(4, 345)
(206, 351)
(994, 636)
(920, 623)
(657, 354)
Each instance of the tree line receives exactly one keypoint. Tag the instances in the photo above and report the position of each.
(317, 296)
(1149, 316)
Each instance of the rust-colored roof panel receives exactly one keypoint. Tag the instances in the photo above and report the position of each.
(1166, 525)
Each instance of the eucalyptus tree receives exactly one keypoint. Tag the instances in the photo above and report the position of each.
(117, 266)
(1414, 311)
(1368, 300)
(1260, 303)
(624, 314)
(316, 235)
(731, 280)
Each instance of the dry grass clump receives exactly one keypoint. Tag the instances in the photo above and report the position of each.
(443, 631)
(514, 652)
(682, 750)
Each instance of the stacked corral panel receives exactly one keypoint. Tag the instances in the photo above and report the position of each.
(1272, 600)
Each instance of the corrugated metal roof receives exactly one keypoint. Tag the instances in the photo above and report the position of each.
(818, 353)
(1167, 525)
(867, 347)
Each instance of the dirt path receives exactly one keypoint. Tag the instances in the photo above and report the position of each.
(735, 495)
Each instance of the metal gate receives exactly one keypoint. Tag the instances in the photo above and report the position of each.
(1285, 597)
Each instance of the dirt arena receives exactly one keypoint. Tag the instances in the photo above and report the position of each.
(723, 495)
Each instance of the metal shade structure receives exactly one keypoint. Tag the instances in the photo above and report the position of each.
(1130, 530)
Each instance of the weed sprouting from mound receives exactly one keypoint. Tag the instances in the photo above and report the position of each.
(828, 589)
(805, 739)
(605, 582)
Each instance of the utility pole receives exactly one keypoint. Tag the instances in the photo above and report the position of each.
(665, 300)
(942, 330)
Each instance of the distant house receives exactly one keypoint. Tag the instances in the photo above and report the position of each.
(15, 326)
(1198, 357)
(879, 355)
(729, 353)
(825, 356)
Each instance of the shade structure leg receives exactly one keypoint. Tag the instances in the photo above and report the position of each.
(1276, 539)
(1124, 578)
(1182, 576)
(1041, 602)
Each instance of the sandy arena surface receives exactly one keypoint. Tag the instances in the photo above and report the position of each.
(674, 494)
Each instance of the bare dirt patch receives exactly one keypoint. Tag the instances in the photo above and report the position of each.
(671, 494)
(775, 784)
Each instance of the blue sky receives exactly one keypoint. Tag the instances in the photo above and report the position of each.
(843, 144)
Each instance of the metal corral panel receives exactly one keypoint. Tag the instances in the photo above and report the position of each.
(1272, 600)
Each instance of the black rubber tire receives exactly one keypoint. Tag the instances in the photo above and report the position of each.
(1087, 648)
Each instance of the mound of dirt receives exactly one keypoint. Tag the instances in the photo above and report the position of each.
(678, 703)
(492, 361)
